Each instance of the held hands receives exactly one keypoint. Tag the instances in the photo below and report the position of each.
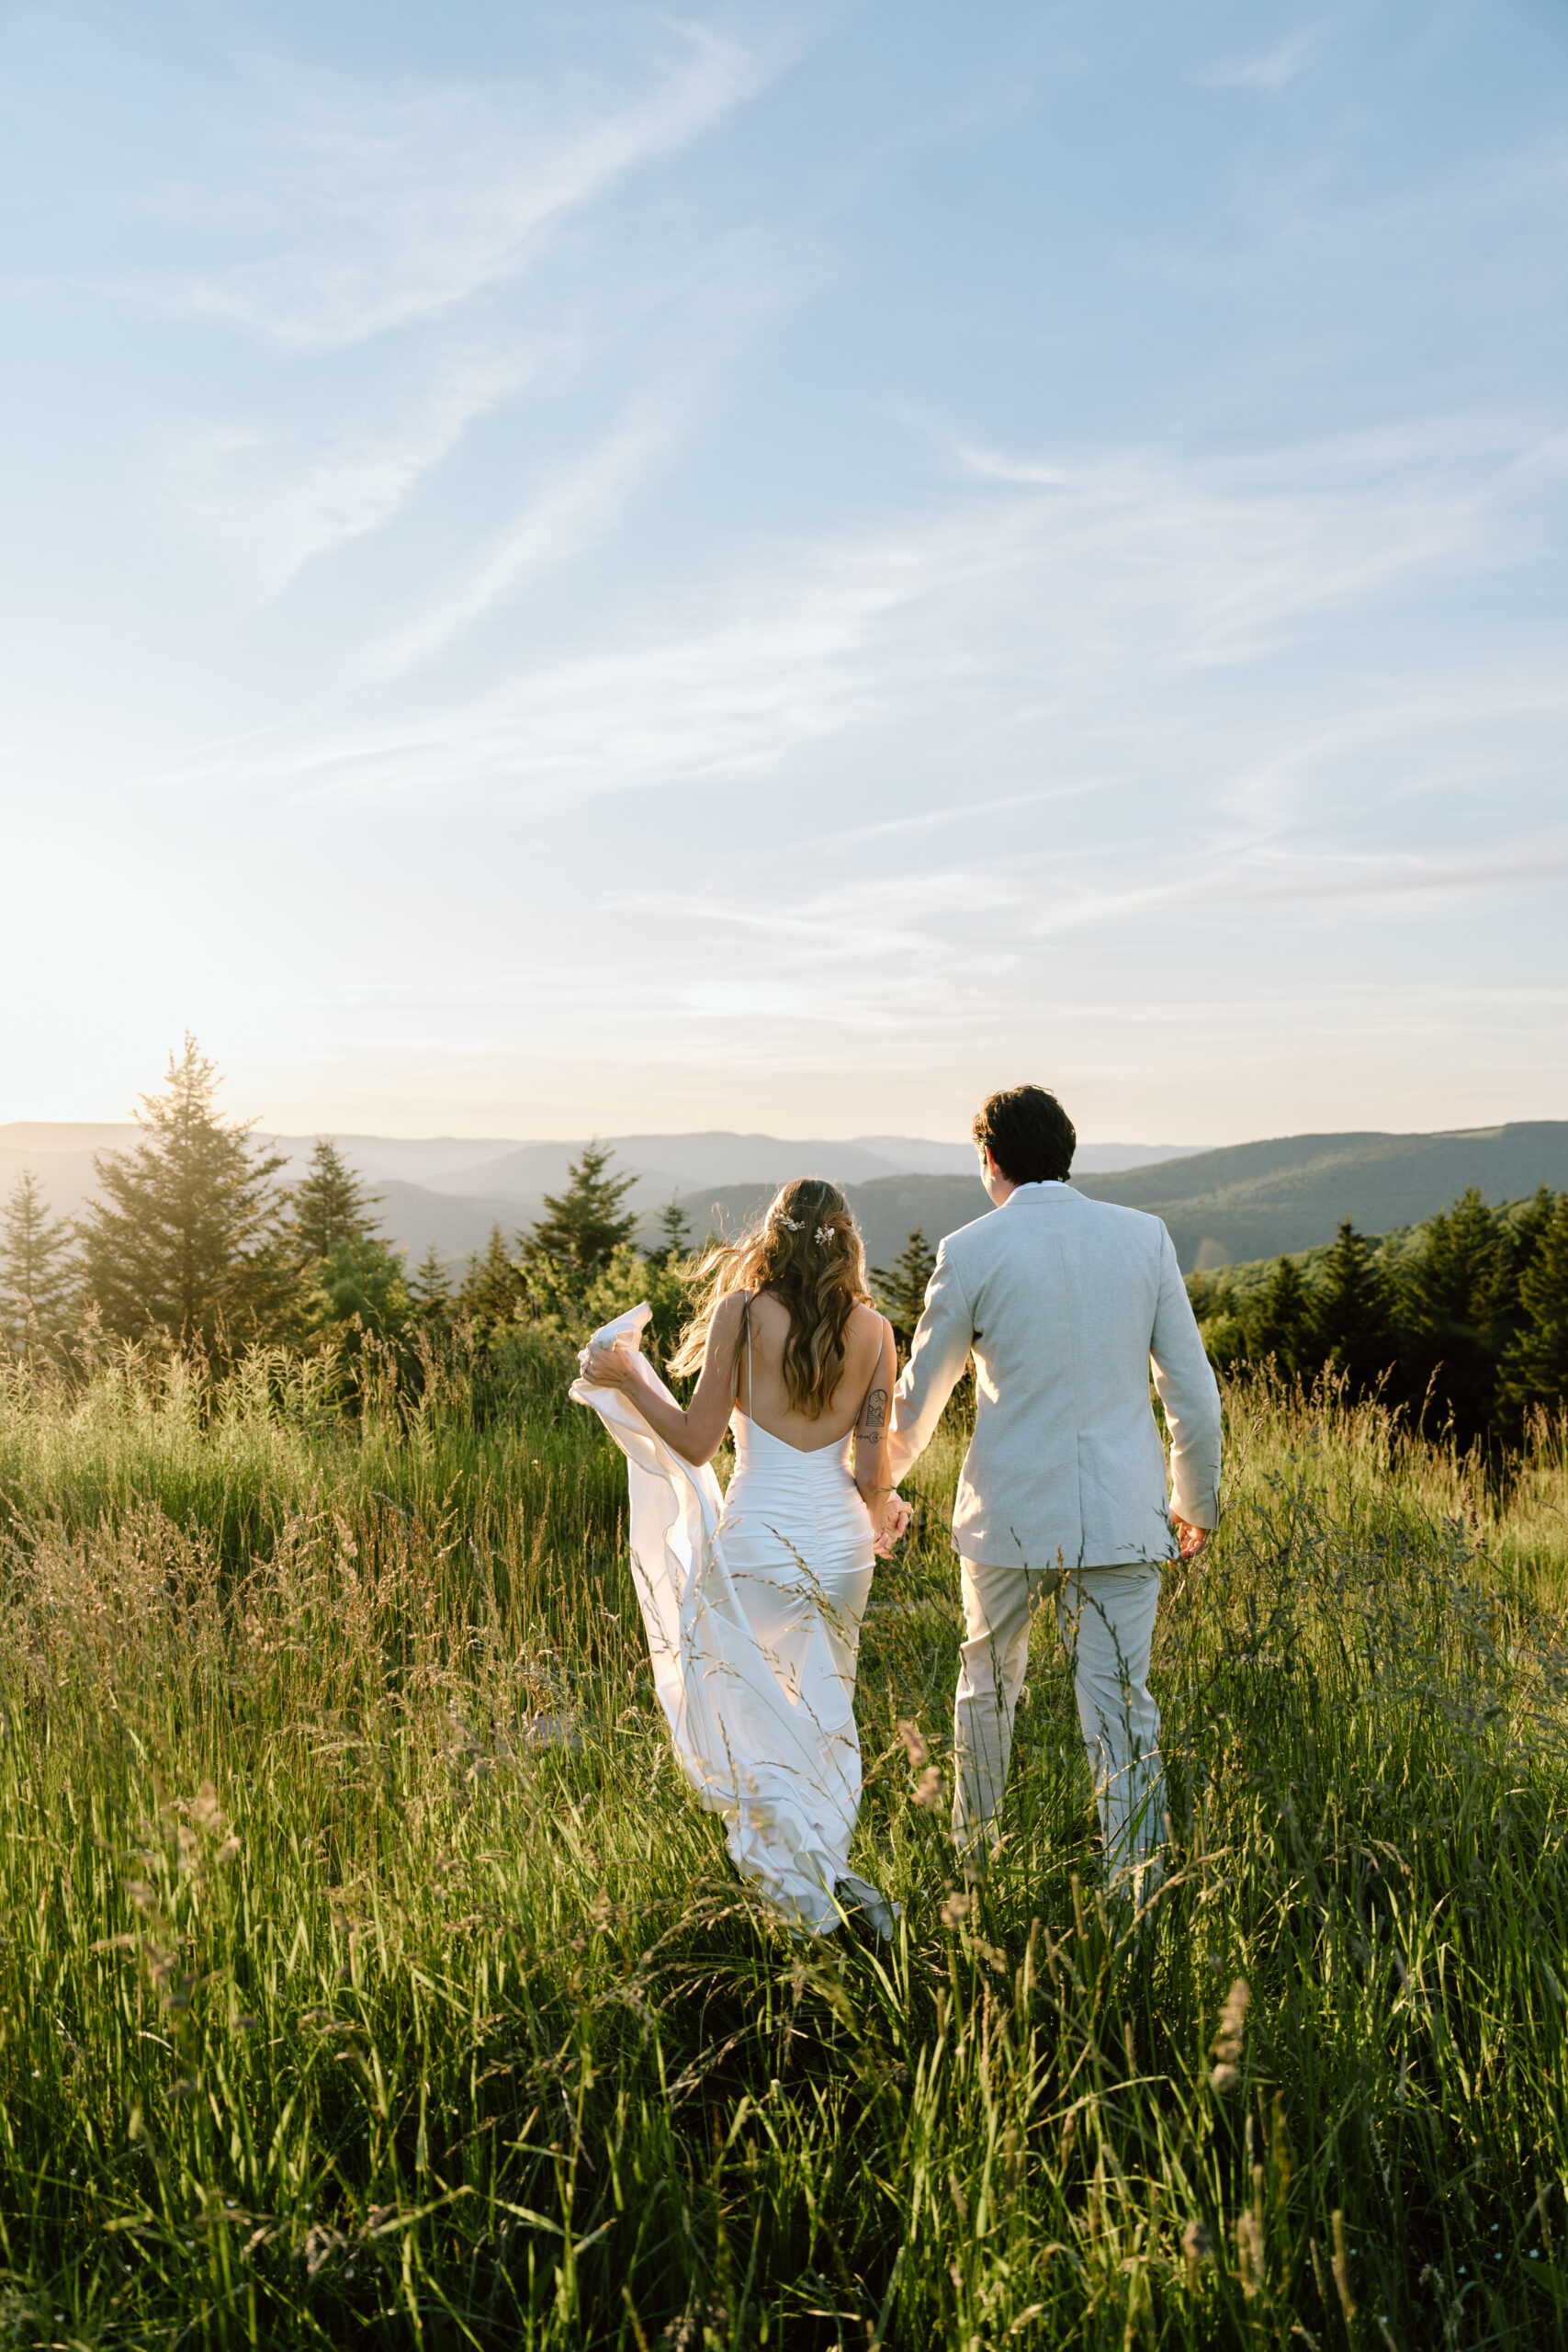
(889, 1519)
(1190, 1540)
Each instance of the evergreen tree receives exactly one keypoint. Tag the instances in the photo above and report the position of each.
(362, 1278)
(900, 1289)
(1522, 1229)
(431, 1286)
(584, 1226)
(673, 1236)
(1282, 1325)
(187, 1236)
(1353, 1327)
(330, 1205)
(1459, 1300)
(494, 1286)
(35, 1271)
(1536, 1366)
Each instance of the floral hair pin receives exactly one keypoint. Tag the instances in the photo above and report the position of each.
(823, 1233)
(789, 1222)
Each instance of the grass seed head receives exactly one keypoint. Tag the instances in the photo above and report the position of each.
(1227, 2045)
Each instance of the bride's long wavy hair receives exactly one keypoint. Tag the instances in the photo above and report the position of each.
(808, 1253)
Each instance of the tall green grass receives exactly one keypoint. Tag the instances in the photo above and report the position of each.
(365, 1968)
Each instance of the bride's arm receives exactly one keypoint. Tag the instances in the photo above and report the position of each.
(696, 1432)
(873, 1472)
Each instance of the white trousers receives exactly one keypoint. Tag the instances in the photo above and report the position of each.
(1106, 1617)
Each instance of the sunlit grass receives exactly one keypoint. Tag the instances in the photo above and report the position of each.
(365, 1967)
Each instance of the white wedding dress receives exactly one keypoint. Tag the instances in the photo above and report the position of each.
(752, 1603)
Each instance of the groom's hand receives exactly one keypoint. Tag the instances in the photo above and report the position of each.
(1190, 1540)
(891, 1520)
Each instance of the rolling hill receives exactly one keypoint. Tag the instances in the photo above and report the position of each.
(1254, 1200)
(1248, 1201)
(450, 1189)
(1243, 1202)
(885, 1209)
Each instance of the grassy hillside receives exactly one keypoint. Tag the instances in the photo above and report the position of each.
(369, 1975)
(1257, 1200)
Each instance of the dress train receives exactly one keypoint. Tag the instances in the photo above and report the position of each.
(751, 1606)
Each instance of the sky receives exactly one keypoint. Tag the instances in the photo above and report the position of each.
(598, 568)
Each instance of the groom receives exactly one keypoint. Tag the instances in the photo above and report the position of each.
(1063, 1303)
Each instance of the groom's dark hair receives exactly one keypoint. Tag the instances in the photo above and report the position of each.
(1028, 1135)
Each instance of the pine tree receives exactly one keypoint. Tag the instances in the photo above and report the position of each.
(35, 1273)
(1282, 1325)
(585, 1225)
(1353, 1327)
(431, 1286)
(1535, 1367)
(493, 1285)
(1521, 1229)
(361, 1279)
(188, 1237)
(673, 1236)
(900, 1289)
(330, 1205)
(1460, 1298)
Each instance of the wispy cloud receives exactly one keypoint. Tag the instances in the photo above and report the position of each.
(1070, 613)
(583, 499)
(274, 501)
(1269, 70)
(384, 209)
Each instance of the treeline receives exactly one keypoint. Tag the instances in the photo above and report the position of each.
(1461, 1324)
(195, 1246)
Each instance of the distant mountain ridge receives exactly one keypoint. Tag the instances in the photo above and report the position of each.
(1256, 1200)
(1243, 1202)
(450, 1189)
(1239, 1202)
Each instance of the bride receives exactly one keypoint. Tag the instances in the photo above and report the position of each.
(753, 1599)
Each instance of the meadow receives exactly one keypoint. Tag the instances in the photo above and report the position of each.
(367, 1974)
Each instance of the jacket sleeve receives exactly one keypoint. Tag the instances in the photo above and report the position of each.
(942, 1340)
(1191, 1395)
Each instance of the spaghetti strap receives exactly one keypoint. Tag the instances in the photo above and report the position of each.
(746, 1318)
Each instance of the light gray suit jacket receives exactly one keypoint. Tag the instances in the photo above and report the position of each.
(1065, 1301)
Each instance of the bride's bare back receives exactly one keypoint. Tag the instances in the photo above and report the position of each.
(763, 1394)
(803, 1264)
